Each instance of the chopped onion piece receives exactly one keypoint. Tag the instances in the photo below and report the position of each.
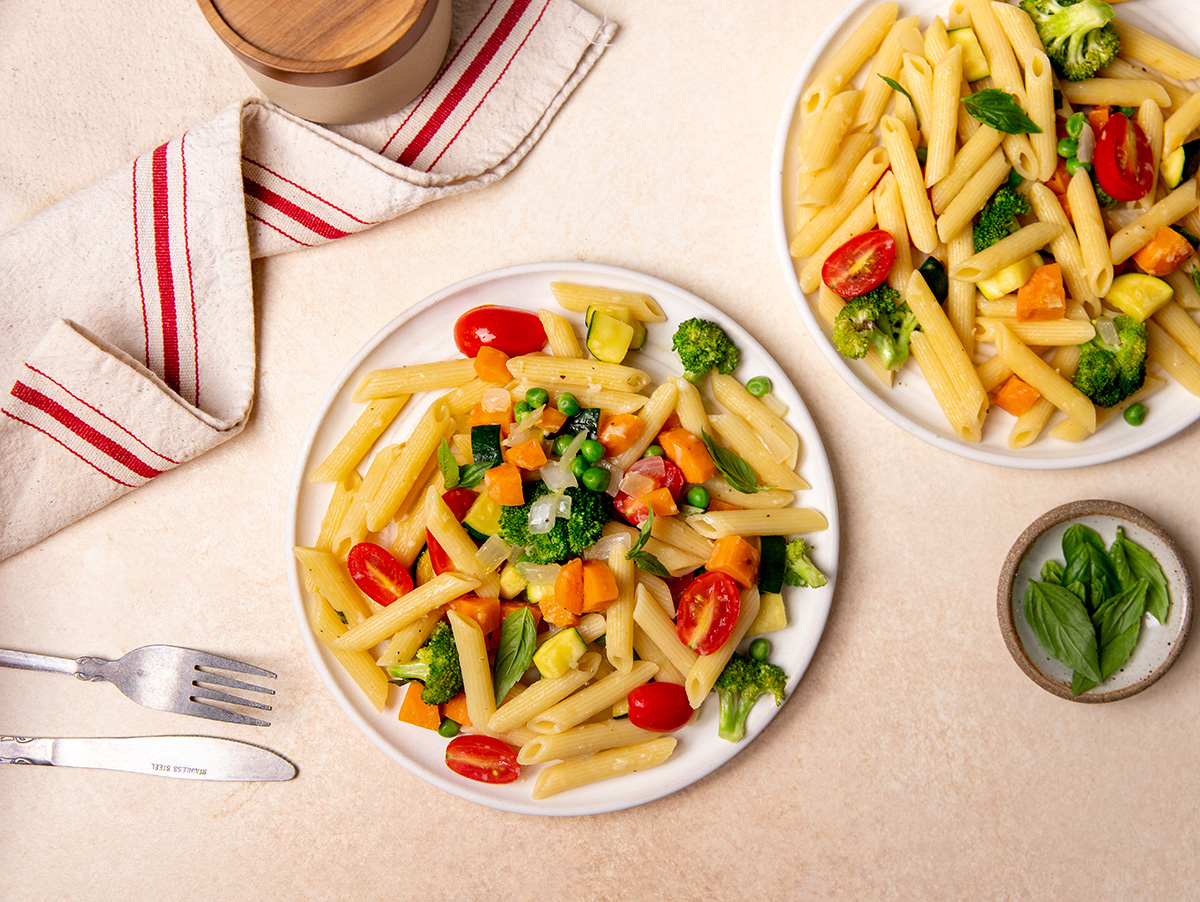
(492, 553)
(541, 515)
(538, 574)
(572, 449)
(1087, 145)
(495, 399)
(636, 485)
(557, 477)
(563, 509)
(605, 544)
(1107, 331)
(614, 482)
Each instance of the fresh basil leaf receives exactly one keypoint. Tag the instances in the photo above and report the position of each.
(735, 470)
(1076, 537)
(1000, 110)
(643, 535)
(1063, 628)
(1118, 622)
(1081, 684)
(896, 86)
(1088, 563)
(1121, 563)
(1143, 565)
(514, 653)
(1195, 274)
(1052, 572)
(649, 563)
(447, 464)
(471, 475)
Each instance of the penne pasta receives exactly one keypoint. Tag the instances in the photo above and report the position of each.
(1089, 229)
(408, 380)
(559, 335)
(704, 672)
(1155, 52)
(1006, 251)
(903, 157)
(602, 766)
(404, 610)
(774, 522)
(1170, 209)
(561, 372)
(1052, 386)
(1115, 91)
(354, 445)
(848, 58)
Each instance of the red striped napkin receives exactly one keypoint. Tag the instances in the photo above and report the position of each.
(127, 326)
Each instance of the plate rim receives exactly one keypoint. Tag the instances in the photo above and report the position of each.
(815, 453)
(848, 374)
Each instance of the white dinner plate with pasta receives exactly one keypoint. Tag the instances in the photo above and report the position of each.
(851, 156)
(423, 335)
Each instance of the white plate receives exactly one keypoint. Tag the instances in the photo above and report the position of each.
(909, 403)
(423, 334)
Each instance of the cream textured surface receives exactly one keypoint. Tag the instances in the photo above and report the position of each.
(914, 761)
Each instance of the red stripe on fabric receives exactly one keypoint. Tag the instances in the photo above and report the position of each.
(276, 228)
(68, 448)
(162, 259)
(470, 75)
(491, 87)
(137, 259)
(304, 217)
(89, 434)
(91, 407)
(446, 68)
(311, 194)
(187, 251)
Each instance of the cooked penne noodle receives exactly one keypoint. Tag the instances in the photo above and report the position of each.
(579, 297)
(660, 630)
(408, 380)
(1018, 27)
(559, 334)
(960, 293)
(477, 675)
(354, 445)
(992, 373)
(1049, 334)
(404, 610)
(590, 700)
(564, 372)
(1089, 229)
(903, 157)
(618, 636)
(1052, 386)
(827, 184)
(818, 229)
(1006, 251)
(943, 115)
(676, 560)
(689, 407)
(1065, 247)
(410, 537)
(586, 739)
(962, 207)
(721, 490)
(903, 37)
(944, 343)
(1150, 118)
(333, 583)
(1155, 52)
(977, 150)
(404, 473)
(679, 534)
(773, 522)
(781, 439)
(604, 765)
(1115, 91)
(1186, 294)
(660, 406)
(704, 672)
(916, 77)
(1039, 103)
(1123, 68)
(648, 651)
(339, 503)
(404, 645)
(1171, 208)
(824, 130)
(937, 42)
(368, 676)
(609, 399)
(889, 211)
(658, 590)
(451, 535)
(964, 422)
(1002, 61)
(465, 397)
(748, 445)
(1179, 325)
(1173, 357)
(1030, 424)
(543, 695)
(848, 58)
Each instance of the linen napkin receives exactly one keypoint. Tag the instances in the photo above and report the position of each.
(126, 309)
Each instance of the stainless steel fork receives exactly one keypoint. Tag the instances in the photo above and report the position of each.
(165, 677)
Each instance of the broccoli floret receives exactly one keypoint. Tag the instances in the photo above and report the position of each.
(1110, 373)
(875, 320)
(567, 538)
(436, 665)
(702, 346)
(798, 568)
(998, 218)
(1078, 35)
(739, 686)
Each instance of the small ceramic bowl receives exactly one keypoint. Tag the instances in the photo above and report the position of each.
(1158, 644)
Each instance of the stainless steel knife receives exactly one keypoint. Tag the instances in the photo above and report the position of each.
(182, 757)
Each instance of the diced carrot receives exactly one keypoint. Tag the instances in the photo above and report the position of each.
(1016, 396)
(491, 365)
(1097, 116)
(1043, 297)
(416, 712)
(484, 611)
(599, 586)
(619, 431)
(1164, 253)
(736, 558)
(503, 485)
(529, 455)
(456, 710)
(1059, 182)
(551, 420)
(661, 502)
(481, 417)
(716, 504)
(568, 594)
(689, 453)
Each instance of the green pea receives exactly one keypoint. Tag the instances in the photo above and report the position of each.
(760, 649)
(1075, 125)
(1073, 165)
(697, 496)
(521, 410)
(592, 450)
(537, 397)
(1135, 414)
(596, 478)
(653, 451)
(448, 729)
(1127, 111)
(579, 465)
(759, 386)
(568, 404)
(560, 443)
(1067, 147)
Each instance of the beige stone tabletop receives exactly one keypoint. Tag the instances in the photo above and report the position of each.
(915, 760)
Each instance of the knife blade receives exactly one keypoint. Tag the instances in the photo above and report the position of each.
(181, 757)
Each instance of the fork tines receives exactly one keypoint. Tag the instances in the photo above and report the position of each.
(203, 663)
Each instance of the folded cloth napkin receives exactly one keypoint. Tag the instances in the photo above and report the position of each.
(126, 310)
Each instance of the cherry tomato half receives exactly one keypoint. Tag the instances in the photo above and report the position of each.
(377, 573)
(459, 501)
(859, 265)
(708, 610)
(507, 329)
(1123, 159)
(484, 759)
(661, 707)
(663, 472)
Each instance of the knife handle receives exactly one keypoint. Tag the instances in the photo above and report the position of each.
(25, 750)
(87, 669)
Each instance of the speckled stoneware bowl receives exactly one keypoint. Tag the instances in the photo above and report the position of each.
(1158, 644)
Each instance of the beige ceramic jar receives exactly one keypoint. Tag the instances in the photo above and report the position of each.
(336, 61)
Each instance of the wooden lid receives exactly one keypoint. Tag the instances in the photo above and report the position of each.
(319, 42)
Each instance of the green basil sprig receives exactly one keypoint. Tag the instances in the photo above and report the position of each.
(448, 465)
(1000, 110)
(896, 86)
(514, 653)
(642, 558)
(735, 470)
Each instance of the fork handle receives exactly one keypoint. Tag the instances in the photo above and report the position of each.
(83, 668)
